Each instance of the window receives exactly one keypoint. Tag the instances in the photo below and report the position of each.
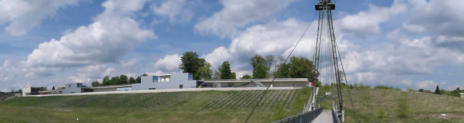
(190, 76)
(155, 79)
(181, 86)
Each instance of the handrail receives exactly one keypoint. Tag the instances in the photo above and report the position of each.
(305, 117)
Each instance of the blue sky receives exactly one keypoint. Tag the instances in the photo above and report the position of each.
(399, 43)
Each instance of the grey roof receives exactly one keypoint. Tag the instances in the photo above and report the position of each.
(257, 80)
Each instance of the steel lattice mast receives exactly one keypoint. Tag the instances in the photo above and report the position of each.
(324, 9)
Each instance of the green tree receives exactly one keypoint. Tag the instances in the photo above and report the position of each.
(191, 63)
(260, 67)
(115, 80)
(204, 72)
(225, 72)
(138, 80)
(282, 71)
(95, 83)
(132, 80)
(455, 93)
(437, 90)
(246, 76)
(123, 79)
(300, 67)
(106, 80)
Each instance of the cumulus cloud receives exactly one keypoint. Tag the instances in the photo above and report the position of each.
(428, 84)
(368, 22)
(175, 10)
(238, 14)
(23, 15)
(91, 73)
(169, 63)
(112, 35)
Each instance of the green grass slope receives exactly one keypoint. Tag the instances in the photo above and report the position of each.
(208, 106)
(396, 106)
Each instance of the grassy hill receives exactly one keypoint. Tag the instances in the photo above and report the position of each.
(209, 106)
(395, 106)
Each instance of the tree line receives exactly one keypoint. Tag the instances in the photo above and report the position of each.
(297, 67)
(118, 80)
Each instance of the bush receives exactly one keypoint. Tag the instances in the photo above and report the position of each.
(382, 87)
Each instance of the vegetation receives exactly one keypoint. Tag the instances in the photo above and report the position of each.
(261, 66)
(298, 67)
(246, 76)
(117, 80)
(225, 72)
(208, 106)
(191, 63)
(383, 104)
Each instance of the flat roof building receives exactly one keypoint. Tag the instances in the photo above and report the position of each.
(167, 81)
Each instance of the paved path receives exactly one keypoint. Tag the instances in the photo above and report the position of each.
(324, 117)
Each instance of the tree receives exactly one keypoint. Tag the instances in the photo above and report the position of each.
(421, 90)
(282, 71)
(437, 90)
(260, 69)
(138, 80)
(144, 74)
(456, 93)
(106, 80)
(225, 72)
(204, 72)
(53, 88)
(300, 67)
(191, 63)
(246, 76)
(132, 80)
(95, 83)
(123, 79)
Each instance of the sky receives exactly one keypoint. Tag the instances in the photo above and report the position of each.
(399, 43)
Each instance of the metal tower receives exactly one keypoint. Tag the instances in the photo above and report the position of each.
(331, 61)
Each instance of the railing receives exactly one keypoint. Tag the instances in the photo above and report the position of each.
(335, 115)
(305, 117)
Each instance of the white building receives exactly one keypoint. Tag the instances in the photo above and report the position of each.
(167, 81)
(462, 95)
(72, 88)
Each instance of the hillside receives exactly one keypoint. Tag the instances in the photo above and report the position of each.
(396, 106)
(208, 106)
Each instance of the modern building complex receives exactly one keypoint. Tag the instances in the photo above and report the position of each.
(278, 82)
(168, 81)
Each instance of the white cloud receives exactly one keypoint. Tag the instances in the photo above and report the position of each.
(368, 22)
(175, 10)
(428, 84)
(217, 57)
(23, 15)
(90, 73)
(112, 35)
(170, 63)
(129, 63)
(239, 13)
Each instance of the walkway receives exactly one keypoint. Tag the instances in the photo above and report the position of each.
(324, 117)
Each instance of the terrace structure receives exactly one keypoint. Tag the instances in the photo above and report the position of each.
(278, 82)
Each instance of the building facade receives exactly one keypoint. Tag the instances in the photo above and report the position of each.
(168, 81)
(72, 88)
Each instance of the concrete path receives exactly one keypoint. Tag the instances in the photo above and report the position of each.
(324, 117)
